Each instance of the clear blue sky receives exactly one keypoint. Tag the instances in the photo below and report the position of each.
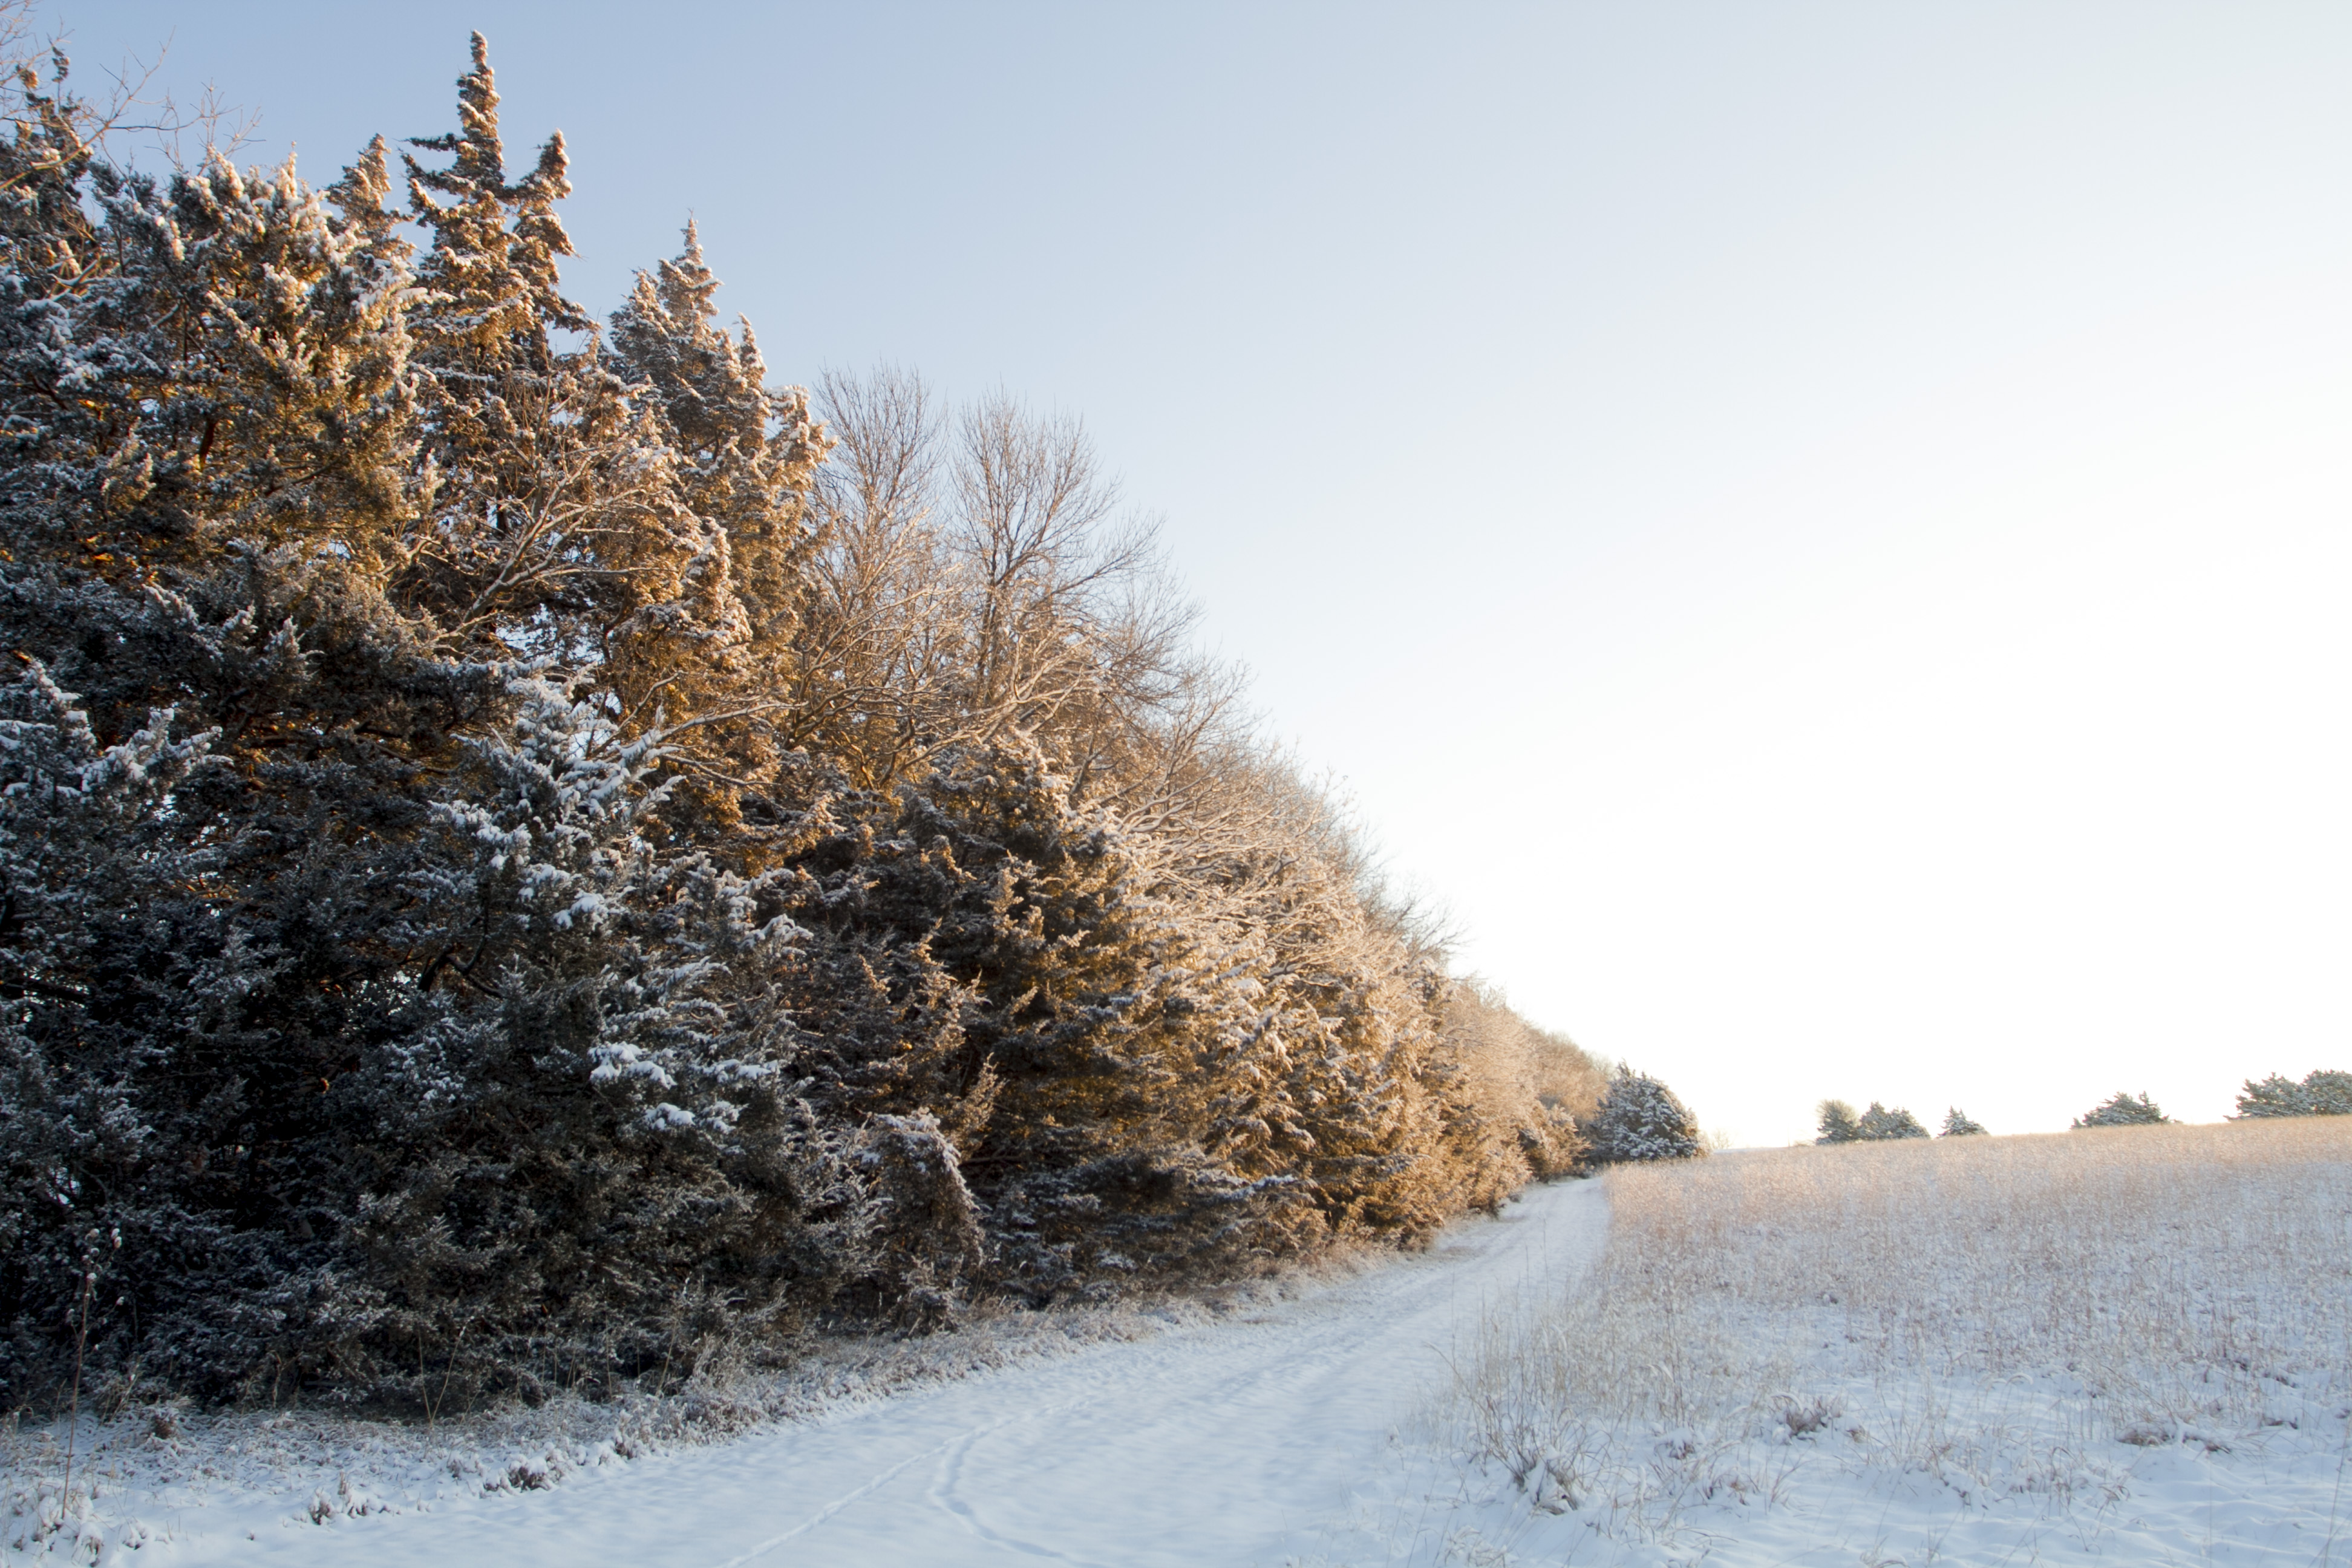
(1822, 531)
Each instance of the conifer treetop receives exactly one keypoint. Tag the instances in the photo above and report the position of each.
(495, 245)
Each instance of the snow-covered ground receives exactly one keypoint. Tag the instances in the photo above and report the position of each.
(2127, 1345)
(2007, 1352)
(1265, 1434)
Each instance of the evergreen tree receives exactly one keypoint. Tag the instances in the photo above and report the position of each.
(1957, 1124)
(2124, 1110)
(195, 539)
(2321, 1093)
(559, 528)
(493, 899)
(746, 456)
(1841, 1124)
(1878, 1124)
(1641, 1118)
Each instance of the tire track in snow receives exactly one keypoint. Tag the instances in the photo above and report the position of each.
(829, 1510)
(943, 1495)
(1227, 1444)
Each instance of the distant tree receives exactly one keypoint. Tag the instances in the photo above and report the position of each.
(2125, 1110)
(2275, 1096)
(2322, 1093)
(1841, 1124)
(1641, 1118)
(1957, 1124)
(1879, 1124)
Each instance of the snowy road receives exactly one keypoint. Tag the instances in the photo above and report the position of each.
(1250, 1442)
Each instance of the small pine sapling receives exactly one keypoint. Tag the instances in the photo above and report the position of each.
(1958, 1124)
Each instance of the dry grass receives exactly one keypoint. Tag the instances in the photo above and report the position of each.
(2001, 1313)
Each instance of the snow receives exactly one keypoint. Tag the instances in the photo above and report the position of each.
(1269, 1432)
(1307, 1423)
(2131, 1345)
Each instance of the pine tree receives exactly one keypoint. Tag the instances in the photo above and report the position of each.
(1841, 1124)
(1957, 1124)
(557, 529)
(746, 456)
(1879, 1124)
(1641, 1118)
(595, 1141)
(196, 544)
(235, 360)
(2321, 1093)
(2124, 1110)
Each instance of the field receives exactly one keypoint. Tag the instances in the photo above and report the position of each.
(2134, 1343)
(2127, 1346)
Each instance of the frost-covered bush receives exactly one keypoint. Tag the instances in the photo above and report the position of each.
(1958, 1124)
(1641, 1118)
(2321, 1093)
(2124, 1110)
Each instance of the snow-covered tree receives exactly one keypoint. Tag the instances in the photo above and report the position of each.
(743, 459)
(2124, 1110)
(523, 863)
(2321, 1093)
(2331, 1092)
(1841, 1124)
(1641, 1118)
(1958, 1124)
(1838, 1123)
(94, 861)
(1879, 1124)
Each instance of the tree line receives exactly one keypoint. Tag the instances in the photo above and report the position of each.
(2320, 1093)
(532, 857)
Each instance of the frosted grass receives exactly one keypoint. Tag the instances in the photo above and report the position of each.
(2037, 1326)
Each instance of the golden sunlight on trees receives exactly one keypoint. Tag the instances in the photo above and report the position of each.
(535, 857)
